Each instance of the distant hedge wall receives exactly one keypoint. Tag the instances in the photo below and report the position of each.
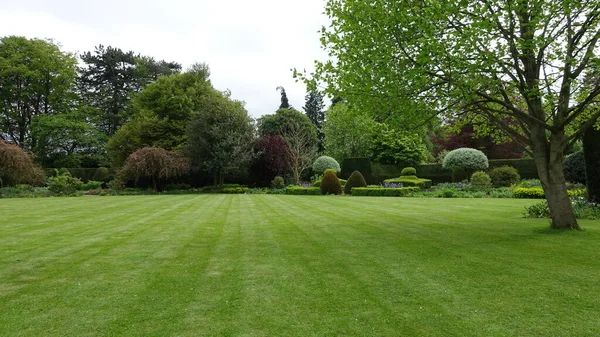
(362, 165)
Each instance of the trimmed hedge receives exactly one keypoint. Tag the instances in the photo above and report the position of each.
(356, 179)
(504, 176)
(363, 165)
(235, 190)
(317, 183)
(299, 190)
(383, 192)
(410, 181)
(408, 171)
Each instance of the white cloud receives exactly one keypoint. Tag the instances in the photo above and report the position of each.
(249, 45)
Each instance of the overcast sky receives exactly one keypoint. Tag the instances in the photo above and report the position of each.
(250, 45)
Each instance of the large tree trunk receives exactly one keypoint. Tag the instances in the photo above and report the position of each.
(549, 160)
(591, 153)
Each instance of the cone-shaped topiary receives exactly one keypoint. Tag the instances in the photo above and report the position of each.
(330, 184)
(356, 180)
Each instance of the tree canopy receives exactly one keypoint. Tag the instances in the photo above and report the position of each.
(522, 60)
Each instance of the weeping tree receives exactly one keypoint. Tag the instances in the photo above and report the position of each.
(514, 65)
(156, 164)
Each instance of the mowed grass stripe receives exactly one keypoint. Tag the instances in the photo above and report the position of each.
(264, 265)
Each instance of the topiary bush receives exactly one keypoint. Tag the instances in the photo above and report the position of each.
(481, 179)
(356, 179)
(64, 172)
(464, 161)
(408, 171)
(410, 181)
(64, 184)
(330, 184)
(101, 174)
(575, 168)
(504, 176)
(278, 182)
(325, 163)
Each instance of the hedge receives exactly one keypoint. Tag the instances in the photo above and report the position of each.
(526, 167)
(363, 165)
(410, 181)
(235, 190)
(84, 174)
(383, 192)
(299, 190)
(529, 193)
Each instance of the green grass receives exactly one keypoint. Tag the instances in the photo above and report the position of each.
(272, 265)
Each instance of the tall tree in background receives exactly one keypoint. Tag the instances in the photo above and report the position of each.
(314, 110)
(348, 133)
(220, 136)
(109, 79)
(491, 60)
(285, 103)
(36, 79)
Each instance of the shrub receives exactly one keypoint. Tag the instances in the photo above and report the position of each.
(91, 185)
(299, 190)
(235, 190)
(330, 184)
(356, 179)
(528, 193)
(64, 184)
(116, 185)
(16, 167)
(325, 163)
(504, 176)
(101, 174)
(408, 171)
(64, 172)
(410, 181)
(538, 210)
(481, 179)
(154, 163)
(582, 208)
(317, 182)
(464, 161)
(530, 183)
(278, 182)
(177, 187)
(383, 192)
(575, 168)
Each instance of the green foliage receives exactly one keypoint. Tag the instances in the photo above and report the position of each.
(317, 183)
(391, 146)
(101, 174)
(299, 190)
(64, 184)
(64, 172)
(278, 183)
(408, 171)
(356, 179)
(410, 181)
(36, 80)
(314, 111)
(582, 208)
(465, 159)
(481, 179)
(220, 136)
(504, 176)
(574, 168)
(362, 165)
(325, 163)
(116, 185)
(156, 164)
(348, 133)
(235, 190)
(284, 121)
(91, 185)
(330, 184)
(529, 193)
(530, 183)
(383, 192)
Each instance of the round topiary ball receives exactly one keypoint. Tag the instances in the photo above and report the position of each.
(408, 171)
(356, 180)
(481, 179)
(504, 176)
(325, 163)
(575, 168)
(330, 184)
(466, 159)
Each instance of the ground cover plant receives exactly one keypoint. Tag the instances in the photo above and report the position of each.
(280, 265)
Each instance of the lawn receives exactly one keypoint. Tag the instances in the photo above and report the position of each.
(270, 265)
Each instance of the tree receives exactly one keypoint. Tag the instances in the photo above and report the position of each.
(155, 163)
(314, 110)
(109, 79)
(36, 79)
(491, 60)
(302, 149)
(285, 103)
(348, 132)
(220, 135)
(161, 114)
(283, 121)
(391, 146)
(16, 167)
(274, 153)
